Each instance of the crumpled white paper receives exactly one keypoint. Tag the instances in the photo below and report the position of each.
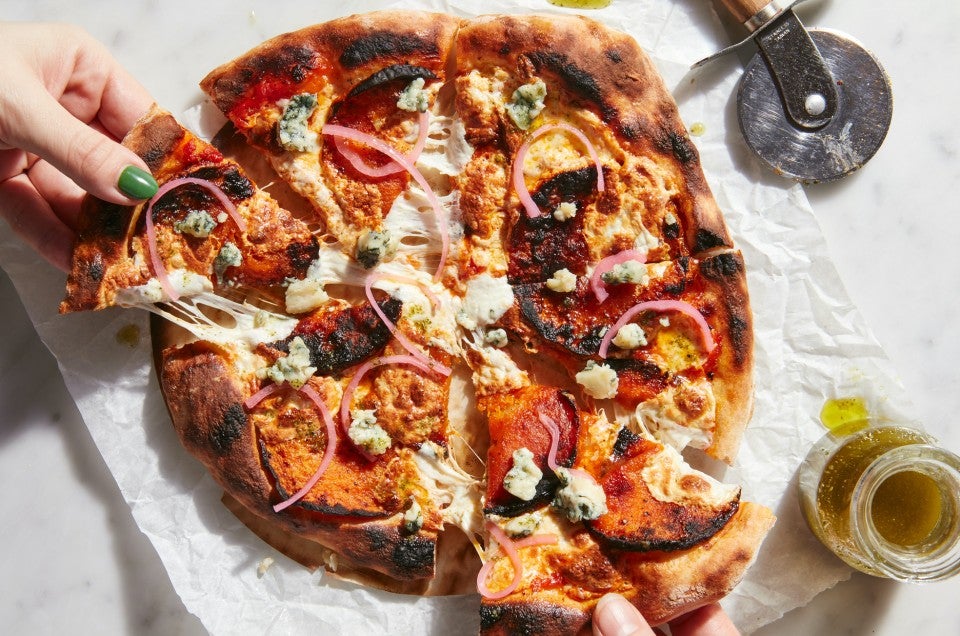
(811, 344)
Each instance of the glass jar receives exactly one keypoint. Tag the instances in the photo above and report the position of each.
(886, 500)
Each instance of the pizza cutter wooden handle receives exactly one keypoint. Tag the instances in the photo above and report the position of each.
(743, 10)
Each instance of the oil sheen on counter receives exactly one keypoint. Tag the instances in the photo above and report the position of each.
(581, 4)
(884, 497)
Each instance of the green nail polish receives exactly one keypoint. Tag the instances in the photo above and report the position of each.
(137, 183)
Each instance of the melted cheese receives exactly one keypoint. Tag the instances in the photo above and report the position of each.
(455, 492)
(671, 480)
(485, 302)
(681, 415)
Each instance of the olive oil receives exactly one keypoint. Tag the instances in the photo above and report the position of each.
(884, 498)
(907, 508)
(845, 415)
(846, 467)
(581, 4)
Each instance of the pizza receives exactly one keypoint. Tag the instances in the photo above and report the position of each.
(462, 337)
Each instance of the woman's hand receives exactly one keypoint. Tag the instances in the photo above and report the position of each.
(616, 616)
(64, 103)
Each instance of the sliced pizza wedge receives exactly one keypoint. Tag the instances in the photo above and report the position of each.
(209, 228)
(640, 523)
(343, 111)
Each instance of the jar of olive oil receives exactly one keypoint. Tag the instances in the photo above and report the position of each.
(884, 497)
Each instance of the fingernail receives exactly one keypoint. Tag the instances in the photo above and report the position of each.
(615, 616)
(137, 183)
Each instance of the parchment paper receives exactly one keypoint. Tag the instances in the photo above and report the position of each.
(811, 344)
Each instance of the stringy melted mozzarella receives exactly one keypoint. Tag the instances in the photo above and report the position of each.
(455, 492)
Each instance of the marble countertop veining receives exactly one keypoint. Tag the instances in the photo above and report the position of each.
(77, 563)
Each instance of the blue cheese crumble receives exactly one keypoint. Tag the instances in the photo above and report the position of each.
(229, 256)
(630, 336)
(580, 497)
(522, 478)
(413, 98)
(496, 338)
(366, 433)
(294, 368)
(523, 526)
(196, 223)
(293, 130)
(629, 272)
(563, 281)
(598, 380)
(374, 247)
(413, 517)
(527, 103)
(565, 211)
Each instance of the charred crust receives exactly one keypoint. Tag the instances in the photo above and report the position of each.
(414, 555)
(682, 149)
(625, 439)
(707, 239)
(575, 184)
(577, 80)
(385, 44)
(722, 267)
(292, 61)
(229, 430)
(302, 254)
(392, 73)
(95, 268)
(531, 619)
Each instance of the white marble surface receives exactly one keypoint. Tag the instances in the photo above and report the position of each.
(76, 561)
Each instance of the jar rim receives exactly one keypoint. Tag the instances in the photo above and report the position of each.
(899, 562)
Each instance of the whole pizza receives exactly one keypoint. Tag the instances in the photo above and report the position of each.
(481, 301)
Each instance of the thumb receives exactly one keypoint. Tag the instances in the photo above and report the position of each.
(616, 616)
(97, 163)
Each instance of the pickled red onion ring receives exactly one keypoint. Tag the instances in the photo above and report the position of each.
(535, 540)
(520, 185)
(328, 452)
(660, 306)
(604, 265)
(551, 425)
(429, 293)
(423, 358)
(510, 548)
(158, 266)
(392, 167)
(361, 371)
(261, 395)
(335, 131)
(511, 551)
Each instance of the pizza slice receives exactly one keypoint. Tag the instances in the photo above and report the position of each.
(343, 110)
(617, 512)
(207, 230)
(578, 148)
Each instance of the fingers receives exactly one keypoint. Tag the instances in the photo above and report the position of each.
(100, 88)
(616, 616)
(57, 94)
(31, 218)
(94, 161)
(709, 619)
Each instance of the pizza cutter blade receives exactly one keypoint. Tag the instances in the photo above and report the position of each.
(813, 105)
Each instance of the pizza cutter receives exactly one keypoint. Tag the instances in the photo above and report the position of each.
(814, 105)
